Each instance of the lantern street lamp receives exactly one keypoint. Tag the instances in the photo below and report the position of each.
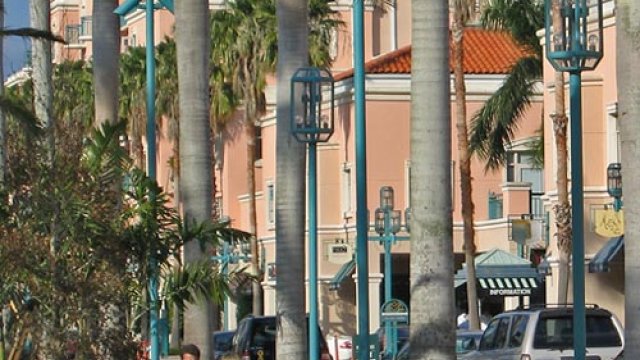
(574, 43)
(149, 6)
(614, 184)
(230, 254)
(310, 126)
(387, 224)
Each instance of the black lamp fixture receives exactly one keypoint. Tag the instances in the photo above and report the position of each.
(614, 184)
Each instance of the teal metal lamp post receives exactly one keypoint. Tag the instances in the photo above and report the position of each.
(614, 184)
(362, 214)
(387, 224)
(574, 43)
(149, 6)
(310, 126)
(228, 254)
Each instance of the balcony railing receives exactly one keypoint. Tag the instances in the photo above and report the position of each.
(72, 34)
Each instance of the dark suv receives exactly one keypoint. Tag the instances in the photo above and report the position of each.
(255, 339)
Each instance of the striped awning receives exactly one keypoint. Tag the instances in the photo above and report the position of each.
(509, 286)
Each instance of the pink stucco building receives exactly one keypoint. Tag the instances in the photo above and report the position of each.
(505, 199)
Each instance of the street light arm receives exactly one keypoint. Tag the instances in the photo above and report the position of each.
(126, 7)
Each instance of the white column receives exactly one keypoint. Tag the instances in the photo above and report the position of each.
(374, 300)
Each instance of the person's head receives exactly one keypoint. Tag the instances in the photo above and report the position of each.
(190, 352)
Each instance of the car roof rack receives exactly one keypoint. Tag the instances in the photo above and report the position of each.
(552, 306)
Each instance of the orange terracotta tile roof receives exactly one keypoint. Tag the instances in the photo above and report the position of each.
(485, 51)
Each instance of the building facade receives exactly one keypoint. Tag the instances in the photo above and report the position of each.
(505, 200)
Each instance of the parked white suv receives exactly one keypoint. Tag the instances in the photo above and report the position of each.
(546, 333)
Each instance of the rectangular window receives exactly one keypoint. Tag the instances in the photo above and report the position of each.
(347, 190)
(258, 132)
(271, 204)
(85, 26)
(407, 182)
(520, 168)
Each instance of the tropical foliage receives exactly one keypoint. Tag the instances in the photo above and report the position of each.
(494, 126)
(105, 233)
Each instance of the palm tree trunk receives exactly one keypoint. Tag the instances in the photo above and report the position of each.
(290, 186)
(193, 47)
(464, 156)
(250, 132)
(628, 77)
(42, 70)
(106, 42)
(562, 209)
(432, 295)
(175, 319)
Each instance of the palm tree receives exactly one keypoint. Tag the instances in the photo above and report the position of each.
(193, 49)
(249, 27)
(562, 209)
(432, 295)
(133, 100)
(463, 11)
(494, 125)
(244, 38)
(106, 43)
(290, 183)
(628, 75)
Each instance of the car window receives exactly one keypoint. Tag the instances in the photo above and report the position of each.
(601, 332)
(495, 335)
(518, 328)
(557, 332)
(264, 333)
(466, 343)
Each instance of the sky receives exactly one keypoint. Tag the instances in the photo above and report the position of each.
(16, 14)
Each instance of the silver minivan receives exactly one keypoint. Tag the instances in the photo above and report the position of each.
(546, 333)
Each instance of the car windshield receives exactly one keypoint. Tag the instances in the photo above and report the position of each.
(556, 332)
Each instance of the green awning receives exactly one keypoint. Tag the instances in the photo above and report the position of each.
(602, 259)
(345, 270)
(502, 273)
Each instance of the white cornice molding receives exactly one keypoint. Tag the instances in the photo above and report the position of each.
(64, 4)
(398, 87)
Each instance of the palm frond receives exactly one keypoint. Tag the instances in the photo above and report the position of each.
(19, 112)
(192, 281)
(521, 18)
(494, 125)
(32, 33)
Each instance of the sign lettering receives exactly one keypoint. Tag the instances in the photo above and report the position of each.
(510, 292)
